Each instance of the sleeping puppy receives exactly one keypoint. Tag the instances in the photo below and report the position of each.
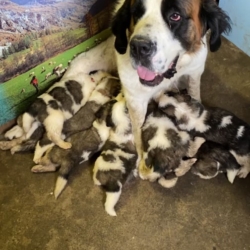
(60, 103)
(118, 156)
(213, 124)
(84, 145)
(212, 159)
(107, 88)
(15, 135)
(164, 147)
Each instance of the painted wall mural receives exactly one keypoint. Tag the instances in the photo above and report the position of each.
(38, 40)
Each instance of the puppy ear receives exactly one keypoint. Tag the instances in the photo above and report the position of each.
(120, 24)
(215, 19)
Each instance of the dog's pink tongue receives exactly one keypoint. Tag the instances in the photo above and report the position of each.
(145, 73)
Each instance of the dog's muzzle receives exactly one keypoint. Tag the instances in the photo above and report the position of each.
(151, 78)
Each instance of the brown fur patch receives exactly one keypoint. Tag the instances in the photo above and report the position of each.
(192, 8)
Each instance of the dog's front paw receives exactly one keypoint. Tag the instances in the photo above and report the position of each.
(15, 149)
(5, 145)
(244, 171)
(37, 160)
(110, 211)
(37, 169)
(167, 183)
(65, 145)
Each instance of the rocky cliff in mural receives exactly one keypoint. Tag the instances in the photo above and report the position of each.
(20, 16)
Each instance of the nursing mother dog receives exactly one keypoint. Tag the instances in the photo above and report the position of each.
(159, 41)
(155, 42)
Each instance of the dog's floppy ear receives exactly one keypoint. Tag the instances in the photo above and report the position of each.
(120, 24)
(215, 19)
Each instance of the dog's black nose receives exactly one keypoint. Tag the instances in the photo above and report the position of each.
(141, 47)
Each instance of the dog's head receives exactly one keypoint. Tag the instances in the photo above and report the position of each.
(155, 33)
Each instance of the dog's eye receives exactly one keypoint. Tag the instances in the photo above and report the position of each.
(175, 17)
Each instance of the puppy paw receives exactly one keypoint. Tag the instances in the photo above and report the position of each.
(167, 183)
(110, 211)
(37, 160)
(243, 172)
(15, 149)
(5, 145)
(135, 173)
(37, 169)
(65, 145)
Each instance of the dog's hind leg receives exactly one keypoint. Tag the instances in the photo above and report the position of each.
(14, 132)
(54, 125)
(62, 179)
(27, 122)
(44, 168)
(6, 145)
(113, 193)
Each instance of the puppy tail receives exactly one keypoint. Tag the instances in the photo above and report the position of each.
(112, 198)
(231, 174)
(61, 183)
(66, 165)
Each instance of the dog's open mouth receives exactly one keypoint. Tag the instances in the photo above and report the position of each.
(150, 78)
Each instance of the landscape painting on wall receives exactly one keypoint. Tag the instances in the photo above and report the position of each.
(40, 38)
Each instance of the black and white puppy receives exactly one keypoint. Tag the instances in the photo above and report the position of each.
(84, 145)
(118, 157)
(60, 103)
(212, 159)
(213, 124)
(164, 148)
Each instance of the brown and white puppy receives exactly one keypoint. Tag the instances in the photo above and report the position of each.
(118, 158)
(164, 149)
(84, 144)
(159, 41)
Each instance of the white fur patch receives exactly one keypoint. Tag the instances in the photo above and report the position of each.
(60, 185)
(111, 200)
(231, 174)
(85, 156)
(226, 120)
(240, 131)
(102, 130)
(160, 139)
(167, 183)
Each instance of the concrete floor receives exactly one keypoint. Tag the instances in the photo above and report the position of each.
(195, 215)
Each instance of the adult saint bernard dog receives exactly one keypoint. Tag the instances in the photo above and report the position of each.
(156, 42)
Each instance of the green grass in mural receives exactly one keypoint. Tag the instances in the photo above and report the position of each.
(13, 101)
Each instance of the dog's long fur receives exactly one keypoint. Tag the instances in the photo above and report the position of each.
(118, 156)
(213, 124)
